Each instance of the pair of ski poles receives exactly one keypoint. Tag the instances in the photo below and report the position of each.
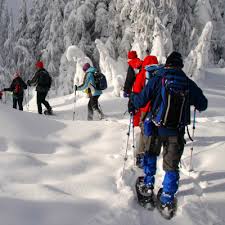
(133, 145)
(127, 144)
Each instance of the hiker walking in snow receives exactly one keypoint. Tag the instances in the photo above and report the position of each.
(134, 68)
(42, 80)
(150, 62)
(171, 94)
(17, 88)
(93, 92)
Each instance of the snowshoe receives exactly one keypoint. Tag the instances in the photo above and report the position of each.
(145, 194)
(167, 210)
(48, 112)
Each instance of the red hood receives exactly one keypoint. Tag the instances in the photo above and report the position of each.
(135, 63)
(150, 60)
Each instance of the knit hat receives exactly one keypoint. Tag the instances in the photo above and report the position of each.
(175, 59)
(39, 64)
(132, 55)
(86, 66)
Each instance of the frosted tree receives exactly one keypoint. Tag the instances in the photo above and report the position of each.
(52, 44)
(4, 22)
(22, 20)
(198, 58)
(9, 48)
(22, 54)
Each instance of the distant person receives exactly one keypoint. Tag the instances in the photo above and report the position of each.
(93, 93)
(17, 88)
(42, 80)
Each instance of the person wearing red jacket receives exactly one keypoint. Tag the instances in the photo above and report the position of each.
(138, 86)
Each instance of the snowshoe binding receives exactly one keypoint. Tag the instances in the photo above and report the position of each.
(145, 194)
(167, 210)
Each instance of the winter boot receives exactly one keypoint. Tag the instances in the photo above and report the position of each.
(99, 113)
(166, 204)
(145, 194)
(48, 111)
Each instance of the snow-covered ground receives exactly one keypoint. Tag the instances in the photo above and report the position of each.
(55, 171)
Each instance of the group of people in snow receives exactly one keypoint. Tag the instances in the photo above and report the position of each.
(42, 80)
(160, 97)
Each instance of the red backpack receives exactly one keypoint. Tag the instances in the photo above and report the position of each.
(18, 88)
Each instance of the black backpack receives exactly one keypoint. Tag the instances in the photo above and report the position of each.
(170, 104)
(100, 81)
(44, 79)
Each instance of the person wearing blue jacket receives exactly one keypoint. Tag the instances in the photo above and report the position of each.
(93, 93)
(171, 139)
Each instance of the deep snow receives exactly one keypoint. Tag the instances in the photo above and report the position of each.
(55, 171)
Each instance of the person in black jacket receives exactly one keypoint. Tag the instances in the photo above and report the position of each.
(17, 87)
(42, 81)
(134, 68)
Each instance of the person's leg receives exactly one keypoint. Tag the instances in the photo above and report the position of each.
(46, 103)
(39, 100)
(172, 152)
(141, 143)
(95, 107)
(150, 160)
(90, 109)
(14, 102)
(20, 103)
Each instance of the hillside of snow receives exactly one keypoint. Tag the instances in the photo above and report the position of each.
(55, 171)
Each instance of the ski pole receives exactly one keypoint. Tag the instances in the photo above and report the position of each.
(28, 98)
(5, 101)
(133, 144)
(128, 137)
(192, 145)
(74, 103)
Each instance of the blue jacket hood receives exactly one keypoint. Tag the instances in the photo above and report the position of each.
(91, 70)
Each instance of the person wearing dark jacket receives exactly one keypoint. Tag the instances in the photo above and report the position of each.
(17, 88)
(172, 139)
(133, 69)
(42, 81)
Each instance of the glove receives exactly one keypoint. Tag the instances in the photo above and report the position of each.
(28, 83)
(75, 87)
(126, 95)
(131, 108)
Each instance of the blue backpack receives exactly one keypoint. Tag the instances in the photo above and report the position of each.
(100, 81)
(170, 104)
